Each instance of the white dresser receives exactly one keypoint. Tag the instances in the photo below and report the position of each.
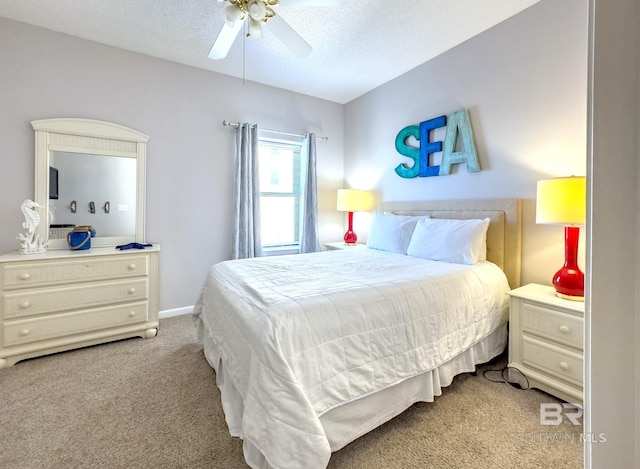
(546, 341)
(63, 300)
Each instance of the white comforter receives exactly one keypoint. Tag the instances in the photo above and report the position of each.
(300, 335)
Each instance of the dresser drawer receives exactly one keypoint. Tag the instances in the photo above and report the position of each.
(30, 274)
(552, 360)
(24, 331)
(23, 303)
(552, 324)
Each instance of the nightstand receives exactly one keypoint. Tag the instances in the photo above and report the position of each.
(341, 245)
(546, 341)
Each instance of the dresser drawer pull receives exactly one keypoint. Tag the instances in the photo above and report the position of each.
(25, 276)
(564, 329)
(24, 332)
(131, 267)
(563, 365)
(131, 291)
(132, 314)
(25, 305)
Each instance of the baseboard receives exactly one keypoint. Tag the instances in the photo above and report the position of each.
(175, 312)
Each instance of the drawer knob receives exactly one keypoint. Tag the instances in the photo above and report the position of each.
(132, 314)
(24, 332)
(563, 365)
(131, 267)
(131, 291)
(564, 329)
(25, 276)
(25, 305)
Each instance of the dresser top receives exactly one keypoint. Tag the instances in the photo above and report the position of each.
(66, 253)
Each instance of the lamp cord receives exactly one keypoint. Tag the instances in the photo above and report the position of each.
(504, 379)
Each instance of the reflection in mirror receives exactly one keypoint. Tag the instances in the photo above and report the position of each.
(90, 172)
(86, 178)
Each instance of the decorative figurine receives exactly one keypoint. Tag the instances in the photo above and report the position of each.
(30, 242)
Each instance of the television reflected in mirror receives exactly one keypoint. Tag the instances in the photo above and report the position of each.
(53, 183)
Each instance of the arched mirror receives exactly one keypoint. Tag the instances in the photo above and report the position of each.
(90, 172)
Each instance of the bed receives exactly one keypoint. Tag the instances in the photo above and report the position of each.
(312, 351)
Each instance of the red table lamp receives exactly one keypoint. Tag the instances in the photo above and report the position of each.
(563, 201)
(352, 200)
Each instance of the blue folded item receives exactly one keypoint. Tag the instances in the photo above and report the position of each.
(122, 247)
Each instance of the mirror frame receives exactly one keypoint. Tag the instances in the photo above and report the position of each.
(77, 135)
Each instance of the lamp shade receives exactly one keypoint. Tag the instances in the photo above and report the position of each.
(562, 201)
(353, 200)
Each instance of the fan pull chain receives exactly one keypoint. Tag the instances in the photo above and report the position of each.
(244, 52)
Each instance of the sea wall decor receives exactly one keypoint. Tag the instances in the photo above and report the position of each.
(458, 131)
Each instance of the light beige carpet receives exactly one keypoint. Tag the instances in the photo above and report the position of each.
(154, 404)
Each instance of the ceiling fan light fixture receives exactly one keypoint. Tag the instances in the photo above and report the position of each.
(257, 13)
(233, 14)
(257, 10)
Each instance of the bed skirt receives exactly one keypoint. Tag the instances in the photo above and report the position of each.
(349, 421)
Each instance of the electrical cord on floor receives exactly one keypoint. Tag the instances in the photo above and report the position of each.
(504, 379)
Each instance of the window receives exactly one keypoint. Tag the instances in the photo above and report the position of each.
(281, 183)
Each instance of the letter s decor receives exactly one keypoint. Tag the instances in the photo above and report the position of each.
(402, 169)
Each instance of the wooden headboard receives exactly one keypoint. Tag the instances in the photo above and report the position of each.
(504, 237)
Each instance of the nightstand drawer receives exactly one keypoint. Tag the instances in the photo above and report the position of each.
(552, 324)
(552, 360)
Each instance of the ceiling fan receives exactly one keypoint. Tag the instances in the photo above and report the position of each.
(259, 13)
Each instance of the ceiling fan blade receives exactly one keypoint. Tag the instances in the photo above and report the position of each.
(288, 36)
(224, 41)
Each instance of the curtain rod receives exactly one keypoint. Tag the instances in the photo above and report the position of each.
(235, 124)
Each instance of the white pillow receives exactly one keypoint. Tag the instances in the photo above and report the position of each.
(390, 232)
(456, 241)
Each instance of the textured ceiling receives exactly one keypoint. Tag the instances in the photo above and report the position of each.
(356, 47)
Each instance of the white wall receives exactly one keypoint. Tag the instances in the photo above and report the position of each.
(189, 155)
(525, 85)
(613, 342)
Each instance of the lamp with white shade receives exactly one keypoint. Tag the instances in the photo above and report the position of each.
(353, 200)
(563, 201)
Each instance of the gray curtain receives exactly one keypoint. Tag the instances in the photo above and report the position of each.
(309, 234)
(246, 235)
